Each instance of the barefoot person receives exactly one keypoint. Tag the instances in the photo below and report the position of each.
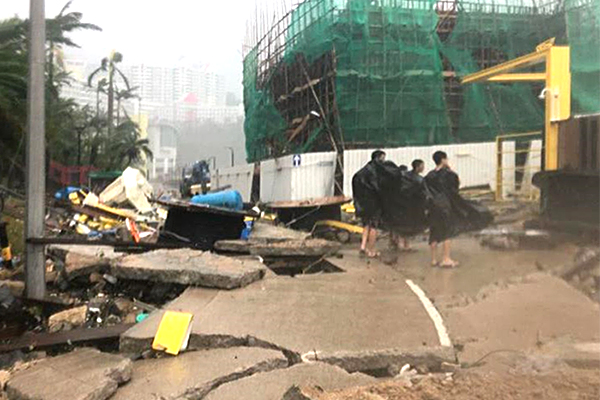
(449, 214)
(443, 185)
(367, 200)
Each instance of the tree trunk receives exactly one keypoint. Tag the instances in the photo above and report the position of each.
(111, 99)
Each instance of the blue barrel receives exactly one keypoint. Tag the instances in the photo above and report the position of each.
(231, 199)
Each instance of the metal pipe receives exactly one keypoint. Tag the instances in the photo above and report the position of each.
(35, 268)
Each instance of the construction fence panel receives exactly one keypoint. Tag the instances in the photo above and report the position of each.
(297, 177)
(475, 163)
(238, 178)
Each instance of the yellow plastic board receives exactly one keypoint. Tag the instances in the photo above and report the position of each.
(173, 333)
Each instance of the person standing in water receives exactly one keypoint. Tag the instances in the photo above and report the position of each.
(367, 201)
(442, 184)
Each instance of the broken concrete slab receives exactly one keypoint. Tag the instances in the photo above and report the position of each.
(430, 358)
(520, 315)
(273, 385)
(83, 260)
(283, 248)
(366, 310)
(189, 267)
(194, 374)
(84, 374)
(271, 233)
(291, 248)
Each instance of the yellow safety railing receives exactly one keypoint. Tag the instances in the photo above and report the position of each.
(500, 168)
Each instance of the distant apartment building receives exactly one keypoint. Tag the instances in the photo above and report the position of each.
(176, 94)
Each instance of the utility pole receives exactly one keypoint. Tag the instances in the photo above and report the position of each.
(35, 268)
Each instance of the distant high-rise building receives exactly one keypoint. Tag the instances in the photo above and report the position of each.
(175, 94)
(168, 85)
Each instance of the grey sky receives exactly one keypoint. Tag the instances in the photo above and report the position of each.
(209, 32)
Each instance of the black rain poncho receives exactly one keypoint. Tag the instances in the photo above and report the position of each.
(403, 200)
(450, 214)
(367, 194)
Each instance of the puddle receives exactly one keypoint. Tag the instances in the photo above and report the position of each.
(292, 266)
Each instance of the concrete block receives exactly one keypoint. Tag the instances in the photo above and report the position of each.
(84, 374)
(192, 375)
(189, 267)
(273, 385)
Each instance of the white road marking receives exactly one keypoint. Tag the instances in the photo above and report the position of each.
(435, 316)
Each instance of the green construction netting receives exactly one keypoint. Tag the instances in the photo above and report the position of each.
(390, 85)
(583, 32)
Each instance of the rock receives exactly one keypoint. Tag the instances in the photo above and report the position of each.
(450, 367)
(189, 267)
(304, 393)
(192, 375)
(67, 319)
(16, 287)
(84, 374)
(95, 277)
(125, 306)
(273, 385)
(4, 377)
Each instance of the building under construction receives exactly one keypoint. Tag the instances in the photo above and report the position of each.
(342, 74)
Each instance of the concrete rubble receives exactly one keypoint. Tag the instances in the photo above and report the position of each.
(194, 374)
(84, 374)
(189, 267)
(84, 260)
(67, 319)
(273, 385)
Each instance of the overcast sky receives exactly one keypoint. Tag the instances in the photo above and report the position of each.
(163, 32)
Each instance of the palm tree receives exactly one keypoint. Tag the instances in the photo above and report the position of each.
(124, 95)
(128, 147)
(57, 29)
(109, 66)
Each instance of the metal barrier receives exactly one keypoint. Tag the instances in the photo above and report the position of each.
(530, 163)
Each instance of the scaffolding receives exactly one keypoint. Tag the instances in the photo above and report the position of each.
(343, 74)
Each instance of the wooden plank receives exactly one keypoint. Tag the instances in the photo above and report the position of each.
(42, 340)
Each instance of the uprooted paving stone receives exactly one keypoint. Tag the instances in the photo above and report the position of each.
(273, 385)
(366, 310)
(194, 374)
(84, 260)
(189, 267)
(84, 374)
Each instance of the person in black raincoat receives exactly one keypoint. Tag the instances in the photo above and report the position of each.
(367, 201)
(448, 213)
(415, 220)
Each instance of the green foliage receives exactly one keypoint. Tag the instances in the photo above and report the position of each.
(75, 134)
